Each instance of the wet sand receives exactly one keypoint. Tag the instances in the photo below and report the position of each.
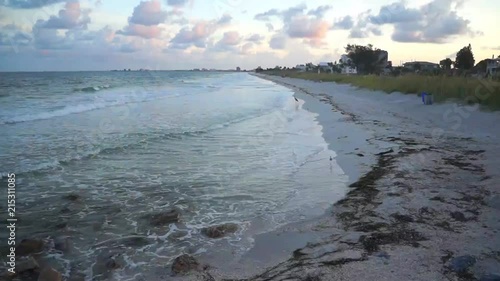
(423, 202)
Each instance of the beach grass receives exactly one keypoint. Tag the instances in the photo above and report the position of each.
(466, 90)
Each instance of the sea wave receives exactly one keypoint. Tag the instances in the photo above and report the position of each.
(92, 88)
(79, 108)
(140, 139)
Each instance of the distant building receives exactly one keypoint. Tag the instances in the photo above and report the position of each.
(493, 67)
(383, 59)
(238, 68)
(300, 67)
(420, 65)
(347, 67)
(325, 67)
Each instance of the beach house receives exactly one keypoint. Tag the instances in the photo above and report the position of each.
(347, 67)
(493, 67)
(420, 66)
(325, 67)
(300, 67)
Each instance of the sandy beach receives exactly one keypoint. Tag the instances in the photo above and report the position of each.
(423, 198)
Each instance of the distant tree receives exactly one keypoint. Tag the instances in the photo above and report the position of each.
(259, 69)
(365, 58)
(465, 58)
(417, 67)
(446, 64)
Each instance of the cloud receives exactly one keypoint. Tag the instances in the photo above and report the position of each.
(129, 48)
(345, 23)
(77, 39)
(148, 13)
(26, 4)
(285, 14)
(307, 27)
(145, 20)
(270, 27)
(267, 15)
(231, 38)
(71, 16)
(177, 2)
(278, 42)
(229, 42)
(198, 34)
(144, 31)
(246, 49)
(225, 19)
(434, 22)
(195, 36)
(395, 13)
(291, 12)
(255, 38)
(12, 37)
(320, 11)
(298, 24)
(49, 39)
(358, 33)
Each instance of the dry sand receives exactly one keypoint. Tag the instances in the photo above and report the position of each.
(424, 199)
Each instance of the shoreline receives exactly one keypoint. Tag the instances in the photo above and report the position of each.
(421, 205)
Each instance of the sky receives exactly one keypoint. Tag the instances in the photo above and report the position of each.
(71, 35)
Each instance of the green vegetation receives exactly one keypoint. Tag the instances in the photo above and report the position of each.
(467, 90)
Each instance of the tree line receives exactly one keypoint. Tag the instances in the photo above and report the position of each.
(370, 60)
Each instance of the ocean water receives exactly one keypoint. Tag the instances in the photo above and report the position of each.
(220, 147)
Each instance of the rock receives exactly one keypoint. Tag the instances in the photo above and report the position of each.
(382, 254)
(61, 225)
(112, 264)
(402, 218)
(29, 246)
(494, 202)
(106, 262)
(27, 265)
(72, 197)
(163, 218)
(490, 277)
(65, 210)
(458, 216)
(49, 274)
(462, 264)
(62, 244)
(184, 264)
(218, 231)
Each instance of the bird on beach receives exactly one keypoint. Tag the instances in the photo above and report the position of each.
(296, 99)
(331, 158)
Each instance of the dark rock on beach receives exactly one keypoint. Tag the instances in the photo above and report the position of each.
(29, 246)
(72, 197)
(219, 231)
(458, 216)
(490, 277)
(49, 274)
(62, 244)
(462, 264)
(184, 264)
(27, 265)
(106, 262)
(163, 218)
